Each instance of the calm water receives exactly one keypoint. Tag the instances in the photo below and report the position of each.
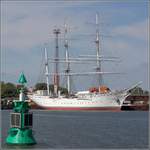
(85, 129)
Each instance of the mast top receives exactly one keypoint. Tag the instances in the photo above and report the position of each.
(97, 18)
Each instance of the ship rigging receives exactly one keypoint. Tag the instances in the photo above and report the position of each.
(81, 59)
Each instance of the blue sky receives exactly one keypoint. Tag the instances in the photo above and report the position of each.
(27, 25)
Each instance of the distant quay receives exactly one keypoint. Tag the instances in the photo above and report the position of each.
(136, 103)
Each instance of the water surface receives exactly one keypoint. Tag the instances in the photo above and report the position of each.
(126, 129)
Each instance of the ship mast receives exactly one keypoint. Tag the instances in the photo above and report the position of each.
(97, 58)
(47, 71)
(97, 41)
(56, 75)
(67, 71)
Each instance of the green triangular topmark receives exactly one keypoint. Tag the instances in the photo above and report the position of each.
(22, 79)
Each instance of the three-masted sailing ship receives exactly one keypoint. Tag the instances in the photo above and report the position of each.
(98, 98)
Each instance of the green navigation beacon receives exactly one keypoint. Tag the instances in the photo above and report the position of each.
(21, 120)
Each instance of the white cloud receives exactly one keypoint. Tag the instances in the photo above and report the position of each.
(131, 45)
(27, 28)
(138, 30)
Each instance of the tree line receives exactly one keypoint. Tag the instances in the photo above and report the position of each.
(43, 86)
(12, 90)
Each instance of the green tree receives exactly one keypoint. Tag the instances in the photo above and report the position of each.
(8, 90)
(40, 86)
(51, 88)
(43, 86)
(19, 87)
(146, 93)
(139, 91)
(63, 90)
(11, 90)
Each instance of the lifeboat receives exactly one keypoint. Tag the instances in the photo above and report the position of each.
(103, 89)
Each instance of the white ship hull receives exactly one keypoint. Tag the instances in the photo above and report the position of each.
(86, 102)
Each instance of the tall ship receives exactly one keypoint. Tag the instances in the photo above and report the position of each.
(95, 98)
